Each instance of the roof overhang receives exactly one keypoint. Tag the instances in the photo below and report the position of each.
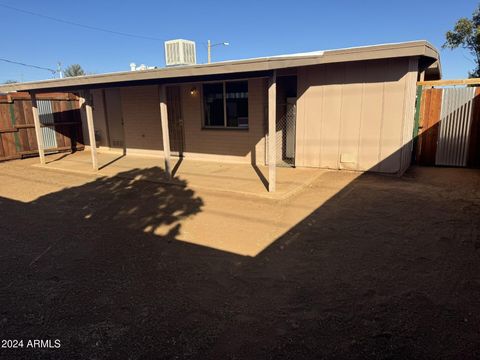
(434, 71)
(250, 67)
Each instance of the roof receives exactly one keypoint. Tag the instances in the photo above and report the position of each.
(419, 48)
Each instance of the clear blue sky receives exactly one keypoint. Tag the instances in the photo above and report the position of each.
(253, 28)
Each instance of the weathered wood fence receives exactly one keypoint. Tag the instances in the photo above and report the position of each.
(448, 124)
(59, 117)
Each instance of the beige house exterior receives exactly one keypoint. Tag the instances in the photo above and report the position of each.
(357, 115)
(143, 133)
(340, 109)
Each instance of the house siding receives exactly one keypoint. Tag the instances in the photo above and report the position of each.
(108, 129)
(356, 115)
(100, 125)
(114, 118)
(141, 117)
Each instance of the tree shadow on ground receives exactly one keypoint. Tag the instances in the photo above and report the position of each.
(386, 268)
(107, 268)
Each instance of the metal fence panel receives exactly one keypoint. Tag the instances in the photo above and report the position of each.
(455, 123)
(45, 112)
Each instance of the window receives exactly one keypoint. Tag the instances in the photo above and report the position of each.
(226, 104)
(214, 107)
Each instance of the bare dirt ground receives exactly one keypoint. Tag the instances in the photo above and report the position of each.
(378, 267)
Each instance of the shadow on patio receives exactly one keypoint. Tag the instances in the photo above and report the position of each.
(231, 177)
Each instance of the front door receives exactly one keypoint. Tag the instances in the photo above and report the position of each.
(175, 121)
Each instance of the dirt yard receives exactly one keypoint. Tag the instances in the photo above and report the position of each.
(364, 267)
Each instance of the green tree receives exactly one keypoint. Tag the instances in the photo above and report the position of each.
(74, 70)
(466, 34)
(10, 82)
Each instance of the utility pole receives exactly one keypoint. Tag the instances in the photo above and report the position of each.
(209, 52)
(210, 45)
(59, 70)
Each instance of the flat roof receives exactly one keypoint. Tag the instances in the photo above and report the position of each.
(419, 48)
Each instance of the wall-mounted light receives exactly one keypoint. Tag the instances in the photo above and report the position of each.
(193, 91)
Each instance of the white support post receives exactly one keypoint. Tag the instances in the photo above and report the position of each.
(272, 119)
(38, 129)
(91, 130)
(165, 133)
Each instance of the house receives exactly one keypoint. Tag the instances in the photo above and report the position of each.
(349, 109)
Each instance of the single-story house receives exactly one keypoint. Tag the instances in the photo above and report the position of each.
(349, 108)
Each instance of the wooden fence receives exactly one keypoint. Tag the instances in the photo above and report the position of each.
(60, 120)
(448, 125)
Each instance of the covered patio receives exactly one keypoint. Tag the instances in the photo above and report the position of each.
(244, 179)
(255, 179)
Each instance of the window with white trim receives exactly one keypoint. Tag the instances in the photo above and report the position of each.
(226, 104)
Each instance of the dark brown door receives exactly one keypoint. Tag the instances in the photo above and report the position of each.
(175, 121)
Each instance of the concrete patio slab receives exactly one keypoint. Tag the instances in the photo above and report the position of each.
(230, 177)
(132, 189)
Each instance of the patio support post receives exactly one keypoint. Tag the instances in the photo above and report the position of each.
(38, 129)
(91, 129)
(165, 133)
(272, 116)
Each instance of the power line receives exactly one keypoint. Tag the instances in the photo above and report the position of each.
(29, 65)
(80, 25)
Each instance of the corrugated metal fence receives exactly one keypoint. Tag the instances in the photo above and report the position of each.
(449, 127)
(46, 118)
(455, 126)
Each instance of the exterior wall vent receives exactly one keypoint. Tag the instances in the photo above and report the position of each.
(180, 52)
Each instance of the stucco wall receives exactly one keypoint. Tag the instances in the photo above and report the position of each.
(356, 115)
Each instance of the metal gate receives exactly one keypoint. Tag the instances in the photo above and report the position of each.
(45, 113)
(455, 126)
(285, 133)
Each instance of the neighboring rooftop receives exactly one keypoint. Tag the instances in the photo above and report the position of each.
(419, 48)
